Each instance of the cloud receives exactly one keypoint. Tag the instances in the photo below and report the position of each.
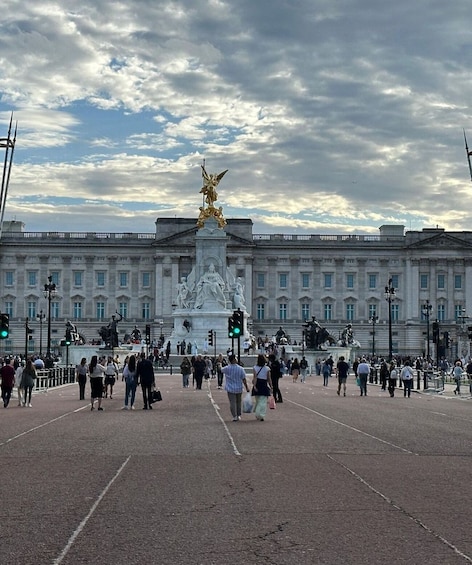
(328, 115)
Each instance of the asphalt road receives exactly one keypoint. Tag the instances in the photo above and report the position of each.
(323, 480)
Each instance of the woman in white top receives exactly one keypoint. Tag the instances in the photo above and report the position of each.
(261, 386)
(96, 381)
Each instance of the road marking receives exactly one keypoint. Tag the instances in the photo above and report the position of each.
(352, 428)
(228, 433)
(82, 524)
(41, 426)
(402, 510)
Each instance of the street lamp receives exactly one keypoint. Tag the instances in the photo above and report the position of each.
(49, 293)
(389, 297)
(40, 317)
(373, 320)
(426, 309)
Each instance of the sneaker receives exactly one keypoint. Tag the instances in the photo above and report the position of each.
(337, 392)
(235, 419)
(124, 408)
(132, 407)
(30, 405)
(100, 408)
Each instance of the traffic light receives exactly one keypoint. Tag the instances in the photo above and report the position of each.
(238, 322)
(4, 326)
(231, 327)
(68, 339)
(435, 332)
(469, 332)
(447, 340)
(210, 337)
(148, 334)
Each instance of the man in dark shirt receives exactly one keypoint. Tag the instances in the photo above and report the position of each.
(342, 370)
(145, 376)
(7, 374)
(199, 367)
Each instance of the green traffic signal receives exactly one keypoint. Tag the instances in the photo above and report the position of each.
(4, 326)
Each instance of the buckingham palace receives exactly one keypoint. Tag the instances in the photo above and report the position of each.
(288, 279)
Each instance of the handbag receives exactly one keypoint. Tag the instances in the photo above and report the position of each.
(271, 403)
(156, 396)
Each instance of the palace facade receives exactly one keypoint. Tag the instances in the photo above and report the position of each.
(339, 279)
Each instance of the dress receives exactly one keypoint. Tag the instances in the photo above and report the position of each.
(96, 381)
(261, 390)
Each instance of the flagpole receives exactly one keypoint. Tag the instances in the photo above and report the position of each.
(468, 153)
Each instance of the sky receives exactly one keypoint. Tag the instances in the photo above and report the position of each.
(331, 116)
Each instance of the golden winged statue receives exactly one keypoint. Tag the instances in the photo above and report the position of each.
(210, 182)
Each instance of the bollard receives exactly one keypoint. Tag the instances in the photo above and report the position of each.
(425, 380)
(418, 379)
(171, 369)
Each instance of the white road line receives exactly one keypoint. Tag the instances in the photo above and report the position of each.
(82, 524)
(41, 426)
(228, 433)
(352, 428)
(402, 510)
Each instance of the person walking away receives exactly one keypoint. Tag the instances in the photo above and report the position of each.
(262, 384)
(406, 375)
(146, 378)
(235, 380)
(295, 369)
(383, 374)
(199, 367)
(186, 371)
(28, 379)
(111, 373)
(392, 378)
(220, 363)
(457, 374)
(468, 370)
(96, 371)
(129, 376)
(7, 374)
(81, 371)
(342, 370)
(275, 375)
(303, 369)
(326, 372)
(18, 373)
(363, 371)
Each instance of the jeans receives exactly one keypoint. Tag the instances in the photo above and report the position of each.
(130, 393)
(81, 379)
(407, 387)
(27, 391)
(363, 383)
(6, 395)
(185, 380)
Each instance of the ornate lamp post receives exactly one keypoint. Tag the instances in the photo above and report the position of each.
(426, 309)
(389, 297)
(373, 320)
(49, 293)
(40, 317)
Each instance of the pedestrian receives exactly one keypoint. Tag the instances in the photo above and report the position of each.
(186, 371)
(7, 374)
(18, 373)
(406, 375)
(457, 374)
(392, 378)
(111, 373)
(131, 382)
(147, 380)
(469, 374)
(295, 369)
(326, 372)
(220, 363)
(261, 385)
(342, 370)
(363, 371)
(81, 372)
(28, 378)
(235, 380)
(96, 371)
(199, 367)
(384, 372)
(275, 375)
(303, 369)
